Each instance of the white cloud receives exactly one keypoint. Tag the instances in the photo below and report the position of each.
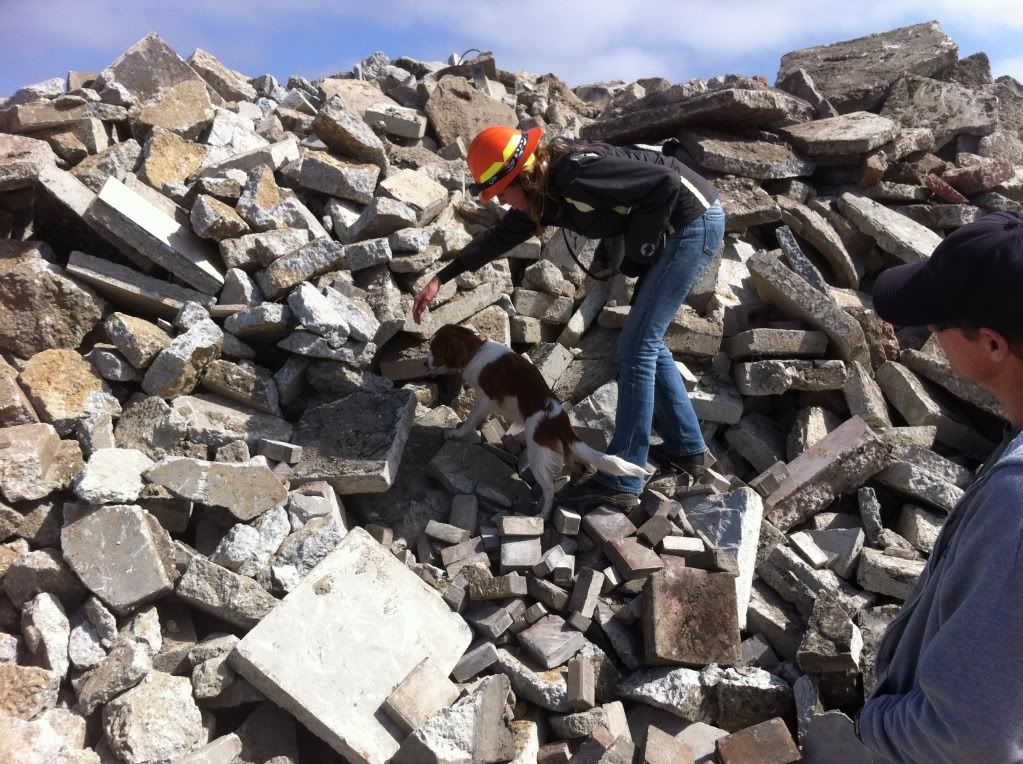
(579, 40)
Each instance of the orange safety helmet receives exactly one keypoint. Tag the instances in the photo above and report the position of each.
(497, 154)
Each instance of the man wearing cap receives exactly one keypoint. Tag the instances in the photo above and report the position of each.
(950, 665)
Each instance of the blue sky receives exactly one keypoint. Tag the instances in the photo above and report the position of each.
(580, 41)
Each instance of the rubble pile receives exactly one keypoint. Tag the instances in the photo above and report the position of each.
(232, 528)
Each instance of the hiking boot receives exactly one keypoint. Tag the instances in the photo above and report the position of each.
(695, 465)
(591, 493)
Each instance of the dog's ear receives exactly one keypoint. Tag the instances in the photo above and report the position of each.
(451, 347)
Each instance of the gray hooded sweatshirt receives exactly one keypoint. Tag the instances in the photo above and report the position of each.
(950, 665)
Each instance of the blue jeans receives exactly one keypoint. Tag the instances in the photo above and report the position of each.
(650, 389)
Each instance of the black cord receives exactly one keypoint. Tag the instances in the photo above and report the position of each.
(461, 58)
(578, 262)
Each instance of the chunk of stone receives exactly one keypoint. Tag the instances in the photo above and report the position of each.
(842, 547)
(769, 742)
(346, 134)
(139, 341)
(919, 527)
(424, 692)
(141, 229)
(245, 490)
(895, 233)
(689, 618)
(40, 307)
(857, 74)
(946, 108)
(226, 595)
(334, 177)
(776, 343)
(920, 485)
(244, 382)
(112, 476)
(27, 691)
(47, 631)
(131, 289)
(215, 421)
(85, 650)
(423, 195)
(65, 388)
(34, 462)
(178, 368)
(853, 133)
(43, 570)
(551, 641)
(127, 664)
(359, 576)
(120, 553)
(156, 720)
(779, 286)
(778, 377)
(729, 526)
(355, 443)
(732, 106)
(749, 158)
(476, 728)
(247, 549)
(313, 259)
(892, 576)
(746, 696)
(678, 691)
(843, 460)
(832, 642)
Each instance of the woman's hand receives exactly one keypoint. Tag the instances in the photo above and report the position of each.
(424, 298)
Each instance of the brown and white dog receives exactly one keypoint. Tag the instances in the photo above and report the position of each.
(506, 383)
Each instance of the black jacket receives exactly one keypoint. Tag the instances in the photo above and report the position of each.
(602, 192)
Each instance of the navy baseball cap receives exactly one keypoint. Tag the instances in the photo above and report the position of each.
(973, 278)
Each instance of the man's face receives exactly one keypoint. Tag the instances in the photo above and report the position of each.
(972, 359)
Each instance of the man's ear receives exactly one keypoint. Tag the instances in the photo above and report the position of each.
(995, 344)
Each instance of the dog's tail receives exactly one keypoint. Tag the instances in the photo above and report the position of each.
(611, 465)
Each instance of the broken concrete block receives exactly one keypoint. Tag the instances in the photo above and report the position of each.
(877, 572)
(778, 377)
(920, 485)
(156, 720)
(776, 343)
(31, 573)
(840, 462)
(348, 135)
(112, 476)
(355, 443)
(137, 227)
(40, 307)
(427, 629)
(832, 642)
(678, 691)
(178, 368)
(769, 742)
(476, 728)
(46, 630)
(64, 388)
(34, 462)
(842, 547)
(120, 553)
(128, 663)
(245, 490)
(919, 527)
(27, 691)
(779, 286)
(551, 641)
(226, 595)
(895, 233)
(729, 526)
(419, 696)
(689, 618)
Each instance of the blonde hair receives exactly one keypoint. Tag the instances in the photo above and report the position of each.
(535, 179)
